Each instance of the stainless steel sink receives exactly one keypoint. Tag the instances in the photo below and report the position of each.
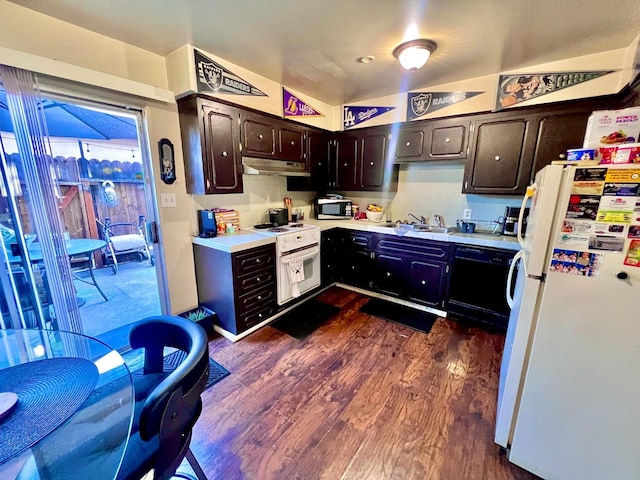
(419, 227)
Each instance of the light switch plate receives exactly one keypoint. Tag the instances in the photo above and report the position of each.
(168, 200)
(466, 214)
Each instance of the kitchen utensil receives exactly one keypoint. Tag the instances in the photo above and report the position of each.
(287, 205)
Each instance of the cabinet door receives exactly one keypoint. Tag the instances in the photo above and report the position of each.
(356, 268)
(258, 136)
(346, 162)
(222, 164)
(317, 162)
(373, 150)
(390, 275)
(428, 282)
(410, 144)
(556, 134)
(448, 142)
(502, 157)
(291, 144)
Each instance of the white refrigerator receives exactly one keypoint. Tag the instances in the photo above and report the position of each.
(569, 394)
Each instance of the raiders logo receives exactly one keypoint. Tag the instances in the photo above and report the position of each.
(420, 104)
(211, 75)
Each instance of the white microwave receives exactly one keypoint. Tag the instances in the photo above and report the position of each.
(333, 208)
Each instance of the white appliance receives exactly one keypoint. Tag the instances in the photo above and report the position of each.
(569, 394)
(297, 244)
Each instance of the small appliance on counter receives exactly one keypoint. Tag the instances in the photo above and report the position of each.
(207, 224)
(510, 223)
(278, 216)
(333, 207)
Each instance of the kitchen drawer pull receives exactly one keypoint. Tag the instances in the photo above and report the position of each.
(408, 144)
(371, 163)
(224, 154)
(260, 136)
(258, 279)
(257, 260)
(388, 274)
(423, 282)
(497, 158)
(346, 164)
(259, 297)
(259, 315)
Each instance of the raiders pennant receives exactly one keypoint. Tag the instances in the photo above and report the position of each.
(213, 77)
(421, 103)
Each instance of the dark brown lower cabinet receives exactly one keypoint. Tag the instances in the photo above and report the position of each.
(240, 287)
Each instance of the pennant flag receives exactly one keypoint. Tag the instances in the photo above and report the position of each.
(513, 89)
(421, 103)
(355, 115)
(294, 107)
(213, 77)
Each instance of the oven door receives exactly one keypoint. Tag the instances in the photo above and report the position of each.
(311, 267)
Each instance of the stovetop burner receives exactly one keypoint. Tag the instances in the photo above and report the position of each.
(278, 229)
(296, 225)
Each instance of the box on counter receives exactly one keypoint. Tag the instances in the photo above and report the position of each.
(606, 128)
(624, 153)
(581, 154)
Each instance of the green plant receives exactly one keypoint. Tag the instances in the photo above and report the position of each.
(197, 315)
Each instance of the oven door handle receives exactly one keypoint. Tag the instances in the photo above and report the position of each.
(303, 255)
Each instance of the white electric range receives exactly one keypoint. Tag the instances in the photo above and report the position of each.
(297, 259)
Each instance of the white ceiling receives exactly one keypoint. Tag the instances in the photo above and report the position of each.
(312, 45)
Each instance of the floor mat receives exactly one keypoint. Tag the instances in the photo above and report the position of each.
(305, 319)
(416, 319)
(216, 371)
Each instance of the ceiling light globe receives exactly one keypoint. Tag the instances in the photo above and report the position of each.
(413, 58)
(414, 54)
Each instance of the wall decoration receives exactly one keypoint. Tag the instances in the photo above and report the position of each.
(213, 77)
(292, 106)
(514, 89)
(421, 103)
(167, 161)
(354, 115)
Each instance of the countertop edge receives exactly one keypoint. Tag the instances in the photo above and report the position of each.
(235, 242)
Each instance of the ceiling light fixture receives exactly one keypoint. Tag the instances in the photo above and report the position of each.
(414, 53)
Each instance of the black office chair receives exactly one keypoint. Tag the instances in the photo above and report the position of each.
(167, 403)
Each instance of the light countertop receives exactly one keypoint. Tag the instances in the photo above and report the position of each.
(246, 239)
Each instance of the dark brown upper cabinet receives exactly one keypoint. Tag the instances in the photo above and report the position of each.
(258, 135)
(346, 160)
(447, 139)
(210, 139)
(410, 143)
(291, 143)
(318, 157)
(501, 149)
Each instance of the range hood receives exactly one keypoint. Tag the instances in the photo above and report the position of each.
(262, 166)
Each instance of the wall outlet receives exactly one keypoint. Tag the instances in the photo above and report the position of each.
(168, 200)
(466, 214)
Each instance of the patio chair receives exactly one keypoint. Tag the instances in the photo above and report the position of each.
(125, 238)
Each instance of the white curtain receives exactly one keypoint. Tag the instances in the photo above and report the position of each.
(30, 132)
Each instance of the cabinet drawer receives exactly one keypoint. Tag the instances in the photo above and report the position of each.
(248, 320)
(258, 279)
(254, 260)
(262, 296)
(420, 248)
(357, 240)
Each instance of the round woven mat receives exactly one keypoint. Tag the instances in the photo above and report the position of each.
(49, 391)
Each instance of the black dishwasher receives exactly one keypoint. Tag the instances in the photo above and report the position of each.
(477, 289)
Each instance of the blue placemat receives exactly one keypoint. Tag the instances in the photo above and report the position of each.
(49, 391)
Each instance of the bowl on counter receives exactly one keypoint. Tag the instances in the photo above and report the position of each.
(374, 216)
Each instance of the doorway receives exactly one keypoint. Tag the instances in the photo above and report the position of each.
(106, 205)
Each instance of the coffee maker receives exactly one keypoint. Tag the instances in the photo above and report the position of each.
(207, 223)
(510, 223)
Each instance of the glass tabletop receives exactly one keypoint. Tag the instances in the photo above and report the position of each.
(74, 410)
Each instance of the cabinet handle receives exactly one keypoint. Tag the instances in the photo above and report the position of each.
(371, 163)
(408, 144)
(353, 267)
(562, 155)
(259, 297)
(208, 184)
(345, 164)
(224, 154)
(259, 315)
(257, 260)
(388, 274)
(423, 282)
(292, 142)
(319, 164)
(447, 140)
(258, 279)
(497, 158)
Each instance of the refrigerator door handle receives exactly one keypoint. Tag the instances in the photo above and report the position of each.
(512, 267)
(531, 190)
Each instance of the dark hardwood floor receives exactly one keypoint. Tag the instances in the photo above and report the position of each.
(361, 398)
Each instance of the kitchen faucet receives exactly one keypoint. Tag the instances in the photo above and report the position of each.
(420, 219)
(439, 220)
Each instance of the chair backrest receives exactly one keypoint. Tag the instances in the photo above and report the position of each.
(174, 405)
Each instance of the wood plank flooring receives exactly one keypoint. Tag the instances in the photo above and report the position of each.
(361, 398)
